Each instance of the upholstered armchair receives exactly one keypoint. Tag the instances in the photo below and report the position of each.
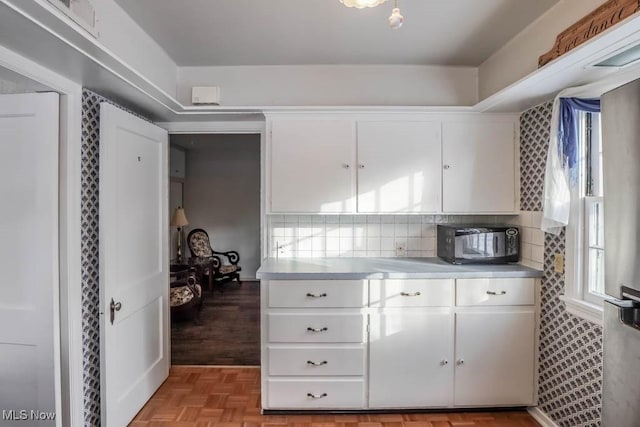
(217, 267)
(185, 293)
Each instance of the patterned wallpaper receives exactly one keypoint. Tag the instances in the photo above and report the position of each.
(89, 246)
(570, 389)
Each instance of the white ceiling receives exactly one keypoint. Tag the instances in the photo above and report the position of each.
(307, 32)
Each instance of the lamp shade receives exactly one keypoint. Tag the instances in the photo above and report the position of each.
(179, 219)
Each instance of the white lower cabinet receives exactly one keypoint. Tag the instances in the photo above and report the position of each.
(495, 358)
(414, 343)
(305, 393)
(410, 358)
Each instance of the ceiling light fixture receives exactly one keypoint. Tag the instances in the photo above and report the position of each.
(396, 20)
(360, 4)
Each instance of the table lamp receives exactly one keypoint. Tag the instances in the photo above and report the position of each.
(179, 219)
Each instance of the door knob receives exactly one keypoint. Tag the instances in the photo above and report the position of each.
(445, 167)
(346, 165)
(444, 362)
(460, 362)
(113, 307)
(361, 166)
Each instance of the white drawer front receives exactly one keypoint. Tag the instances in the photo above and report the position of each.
(317, 293)
(316, 361)
(510, 291)
(315, 394)
(320, 328)
(411, 292)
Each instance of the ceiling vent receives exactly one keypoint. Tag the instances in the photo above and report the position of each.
(81, 12)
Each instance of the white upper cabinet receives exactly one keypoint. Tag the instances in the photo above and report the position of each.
(312, 165)
(399, 166)
(478, 166)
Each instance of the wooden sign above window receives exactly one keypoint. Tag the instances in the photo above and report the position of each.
(604, 17)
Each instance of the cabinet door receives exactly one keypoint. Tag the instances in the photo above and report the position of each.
(410, 362)
(478, 167)
(312, 165)
(399, 166)
(494, 358)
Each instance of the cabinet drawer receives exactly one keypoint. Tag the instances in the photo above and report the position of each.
(320, 328)
(317, 293)
(316, 361)
(411, 292)
(479, 292)
(315, 394)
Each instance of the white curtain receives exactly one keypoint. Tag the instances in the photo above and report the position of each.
(557, 193)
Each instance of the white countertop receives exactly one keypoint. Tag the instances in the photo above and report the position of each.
(383, 268)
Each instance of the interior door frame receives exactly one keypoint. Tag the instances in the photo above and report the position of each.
(68, 313)
(232, 128)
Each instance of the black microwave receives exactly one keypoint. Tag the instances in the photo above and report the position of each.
(478, 244)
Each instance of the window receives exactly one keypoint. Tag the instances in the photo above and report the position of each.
(584, 284)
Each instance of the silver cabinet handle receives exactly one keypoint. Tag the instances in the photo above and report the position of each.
(312, 363)
(310, 329)
(346, 165)
(460, 362)
(361, 166)
(445, 167)
(444, 362)
(496, 293)
(322, 295)
(113, 307)
(316, 396)
(406, 294)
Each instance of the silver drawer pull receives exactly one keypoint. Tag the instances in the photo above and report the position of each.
(323, 295)
(406, 294)
(310, 329)
(311, 362)
(316, 396)
(496, 293)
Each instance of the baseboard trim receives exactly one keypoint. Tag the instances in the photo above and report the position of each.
(541, 417)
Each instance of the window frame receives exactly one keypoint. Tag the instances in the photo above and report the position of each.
(579, 301)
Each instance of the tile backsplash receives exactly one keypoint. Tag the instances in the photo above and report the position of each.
(318, 236)
(532, 239)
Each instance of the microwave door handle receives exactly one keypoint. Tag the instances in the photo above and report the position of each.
(495, 245)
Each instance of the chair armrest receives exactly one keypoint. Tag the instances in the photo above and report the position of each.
(232, 256)
(205, 263)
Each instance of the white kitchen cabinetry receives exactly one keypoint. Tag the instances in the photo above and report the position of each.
(495, 358)
(314, 344)
(410, 343)
(177, 163)
(399, 166)
(453, 163)
(495, 354)
(478, 161)
(431, 343)
(312, 166)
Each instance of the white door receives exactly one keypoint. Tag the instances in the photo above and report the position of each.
(29, 336)
(399, 166)
(478, 166)
(312, 166)
(134, 259)
(495, 358)
(410, 358)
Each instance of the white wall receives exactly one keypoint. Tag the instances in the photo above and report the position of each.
(519, 56)
(121, 35)
(222, 195)
(405, 85)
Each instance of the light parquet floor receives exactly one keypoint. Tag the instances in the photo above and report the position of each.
(230, 397)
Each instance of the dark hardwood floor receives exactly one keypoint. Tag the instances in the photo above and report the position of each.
(230, 397)
(227, 332)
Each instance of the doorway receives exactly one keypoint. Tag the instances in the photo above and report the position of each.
(216, 179)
